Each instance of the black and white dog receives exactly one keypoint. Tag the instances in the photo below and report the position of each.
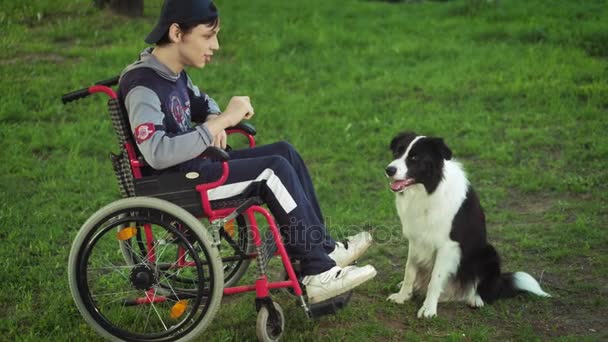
(449, 257)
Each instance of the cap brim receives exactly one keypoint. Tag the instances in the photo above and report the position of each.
(157, 33)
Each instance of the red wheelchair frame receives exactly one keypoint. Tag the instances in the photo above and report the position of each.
(249, 209)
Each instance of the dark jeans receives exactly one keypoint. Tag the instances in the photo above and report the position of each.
(287, 190)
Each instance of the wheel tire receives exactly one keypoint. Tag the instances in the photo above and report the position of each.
(266, 330)
(113, 215)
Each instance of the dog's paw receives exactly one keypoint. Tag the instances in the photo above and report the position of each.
(475, 302)
(399, 298)
(427, 311)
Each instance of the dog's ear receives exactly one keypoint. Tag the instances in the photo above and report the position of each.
(442, 148)
(403, 136)
(394, 142)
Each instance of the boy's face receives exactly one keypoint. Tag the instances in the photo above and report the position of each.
(197, 47)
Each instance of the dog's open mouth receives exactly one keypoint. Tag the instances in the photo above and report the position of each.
(400, 185)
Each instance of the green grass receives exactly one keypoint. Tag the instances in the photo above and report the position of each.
(518, 89)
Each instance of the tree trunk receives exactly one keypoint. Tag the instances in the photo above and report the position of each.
(131, 8)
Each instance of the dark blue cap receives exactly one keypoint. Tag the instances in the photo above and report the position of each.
(184, 12)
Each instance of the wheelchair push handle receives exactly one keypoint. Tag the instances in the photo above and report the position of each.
(110, 82)
(100, 86)
(75, 95)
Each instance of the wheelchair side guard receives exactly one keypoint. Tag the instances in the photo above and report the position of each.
(177, 188)
(180, 188)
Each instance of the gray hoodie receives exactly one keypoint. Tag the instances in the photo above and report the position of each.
(162, 107)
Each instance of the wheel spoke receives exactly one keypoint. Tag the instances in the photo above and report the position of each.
(114, 293)
(156, 311)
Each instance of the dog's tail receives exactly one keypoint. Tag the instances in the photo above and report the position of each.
(494, 284)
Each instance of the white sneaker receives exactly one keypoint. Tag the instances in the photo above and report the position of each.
(345, 254)
(336, 281)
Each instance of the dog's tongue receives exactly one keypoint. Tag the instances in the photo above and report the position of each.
(401, 184)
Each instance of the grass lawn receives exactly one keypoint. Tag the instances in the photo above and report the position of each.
(518, 89)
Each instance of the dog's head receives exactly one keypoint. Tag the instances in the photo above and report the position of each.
(418, 161)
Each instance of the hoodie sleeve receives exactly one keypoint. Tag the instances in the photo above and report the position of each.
(201, 104)
(159, 148)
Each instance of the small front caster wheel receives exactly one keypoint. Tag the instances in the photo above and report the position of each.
(269, 327)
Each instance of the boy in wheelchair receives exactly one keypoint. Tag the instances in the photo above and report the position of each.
(162, 103)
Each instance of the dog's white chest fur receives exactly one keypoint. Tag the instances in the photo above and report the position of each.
(427, 219)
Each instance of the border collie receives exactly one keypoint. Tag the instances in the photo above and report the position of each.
(449, 257)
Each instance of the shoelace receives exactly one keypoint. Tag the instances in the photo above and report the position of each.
(342, 244)
(329, 275)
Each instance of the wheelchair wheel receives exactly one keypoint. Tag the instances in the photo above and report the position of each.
(268, 328)
(170, 290)
(236, 243)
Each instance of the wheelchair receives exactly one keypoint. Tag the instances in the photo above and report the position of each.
(154, 265)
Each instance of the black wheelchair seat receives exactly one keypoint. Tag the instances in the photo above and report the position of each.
(180, 188)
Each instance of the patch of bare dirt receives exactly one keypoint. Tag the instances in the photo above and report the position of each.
(528, 204)
(576, 320)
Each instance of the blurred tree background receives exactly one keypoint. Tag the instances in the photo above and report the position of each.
(131, 8)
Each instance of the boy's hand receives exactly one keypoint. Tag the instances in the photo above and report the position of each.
(239, 108)
(220, 140)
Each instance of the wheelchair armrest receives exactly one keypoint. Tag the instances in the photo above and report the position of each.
(215, 153)
(243, 126)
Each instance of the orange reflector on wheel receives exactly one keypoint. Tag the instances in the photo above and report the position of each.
(229, 228)
(127, 233)
(179, 308)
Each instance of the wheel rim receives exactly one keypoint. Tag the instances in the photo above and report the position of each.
(114, 291)
(274, 327)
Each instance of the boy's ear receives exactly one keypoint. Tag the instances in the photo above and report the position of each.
(175, 33)
(442, 148)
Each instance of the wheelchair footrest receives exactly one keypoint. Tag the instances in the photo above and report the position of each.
(329, 306)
